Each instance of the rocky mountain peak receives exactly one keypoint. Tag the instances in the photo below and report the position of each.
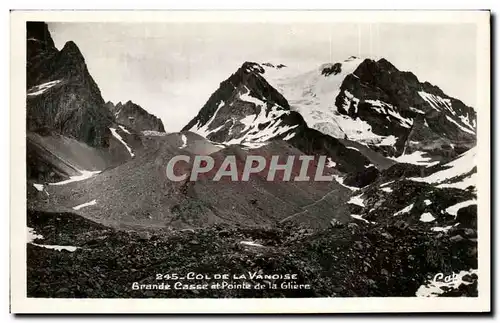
(62, 95)
(71, 59)
(38, 31)
(246, 82)
(389, 101)
(134, 117)
(328, 69)
(252, 67)
(386, 65)
(71, 49)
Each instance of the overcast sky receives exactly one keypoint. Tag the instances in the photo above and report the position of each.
(171, 69)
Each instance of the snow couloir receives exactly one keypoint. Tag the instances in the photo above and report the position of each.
(253, 164)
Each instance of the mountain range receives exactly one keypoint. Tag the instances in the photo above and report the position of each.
(70, 128)
(402, 154)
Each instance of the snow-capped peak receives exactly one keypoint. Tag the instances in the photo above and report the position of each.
(313, 93)
(261, 123)
(369, 101)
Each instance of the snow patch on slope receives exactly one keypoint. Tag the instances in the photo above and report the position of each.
(405, 210)
(340, 180)
(184, 141)
(387, 183)
(31, 236)
(453, 210)
(388, 141)
(359, 217)
(443, 229)
(415, 158)
(427, 217)
(466, 121)
(117, 136)
(42, 88)
(356, 200)
(458, 167)
(251, 243)
(417, 110)
(85, 174)
(436, 102)
(463, 184)
(124, 129)
(203, 130)
(330, 163)
(93, 202)
(460, 126)
(389, 110)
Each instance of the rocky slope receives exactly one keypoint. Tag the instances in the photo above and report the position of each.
(138, 194)
(354, 260)
(413, 223)
(437, 198)
(52, 157)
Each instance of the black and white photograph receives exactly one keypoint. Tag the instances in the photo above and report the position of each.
(216, 159)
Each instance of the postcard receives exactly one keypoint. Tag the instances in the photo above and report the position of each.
(250, 161)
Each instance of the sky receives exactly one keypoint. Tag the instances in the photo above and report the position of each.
(171, 69)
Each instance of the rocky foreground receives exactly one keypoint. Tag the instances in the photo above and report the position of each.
(346, 260)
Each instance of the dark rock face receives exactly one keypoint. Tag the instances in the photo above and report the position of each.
(334, 69)
(277, 66)
(467, 217)
(135, 117)
(313, 142)
(61, 94)
(420, 115)
(39, 42)
(363, 178)
(246, 97)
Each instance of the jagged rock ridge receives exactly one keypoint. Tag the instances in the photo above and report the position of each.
(135, 117)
